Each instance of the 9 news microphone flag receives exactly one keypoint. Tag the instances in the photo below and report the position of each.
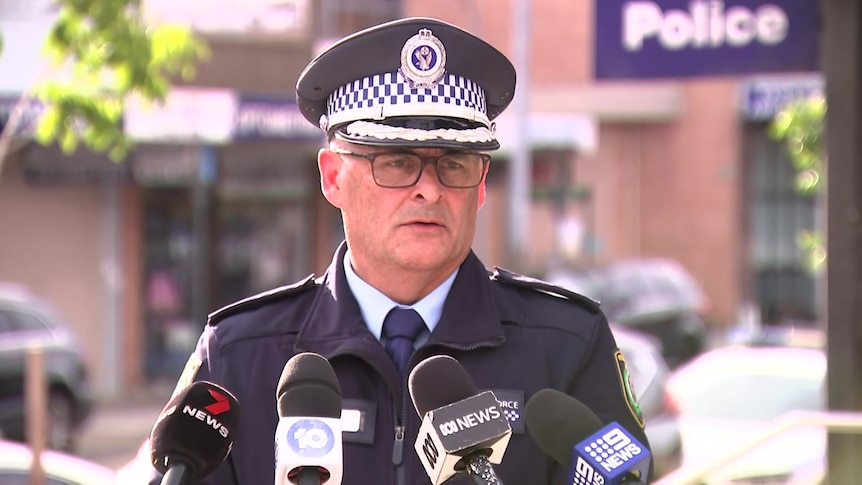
(570, 433)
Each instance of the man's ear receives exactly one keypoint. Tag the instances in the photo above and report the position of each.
(330, 165)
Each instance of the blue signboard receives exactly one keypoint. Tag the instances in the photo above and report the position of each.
(683, 38)
(762, 99)
(273, 117)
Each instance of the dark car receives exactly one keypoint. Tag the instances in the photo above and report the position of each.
(655, 296)
(28, 322)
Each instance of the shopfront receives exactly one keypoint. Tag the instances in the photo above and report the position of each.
(222, 221)
(781, 280)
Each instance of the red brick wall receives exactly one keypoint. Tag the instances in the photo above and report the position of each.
(660, 189)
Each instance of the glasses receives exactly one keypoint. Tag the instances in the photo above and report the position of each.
(396, 170)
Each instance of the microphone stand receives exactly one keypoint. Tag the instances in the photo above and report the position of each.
(480, 470)
(178, 474)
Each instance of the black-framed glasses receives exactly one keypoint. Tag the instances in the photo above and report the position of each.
(396, 170)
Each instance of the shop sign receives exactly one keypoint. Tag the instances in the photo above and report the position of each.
(762, 99)
(241, 19)
(188, 115)
(271, 117)
(49, 166)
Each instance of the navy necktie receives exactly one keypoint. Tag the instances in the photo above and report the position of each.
(400, 328)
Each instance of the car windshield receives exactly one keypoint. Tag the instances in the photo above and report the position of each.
(750, 396)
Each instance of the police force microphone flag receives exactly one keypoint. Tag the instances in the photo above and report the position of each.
(462, 431)
(308, 435)
(566, 430)
(194, 432)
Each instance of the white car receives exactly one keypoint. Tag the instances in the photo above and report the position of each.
(16, 460)
(729, 395)
(649, 378)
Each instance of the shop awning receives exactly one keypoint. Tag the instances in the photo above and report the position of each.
(550, 131)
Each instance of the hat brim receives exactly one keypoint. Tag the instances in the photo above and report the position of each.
(419, 131)
(413, 143)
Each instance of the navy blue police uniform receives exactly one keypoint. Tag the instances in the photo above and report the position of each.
(514, 336)
(411, 83)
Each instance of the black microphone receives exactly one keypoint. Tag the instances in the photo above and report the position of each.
(194, 433)
(308, 437)
(462, 430)
(571, 433)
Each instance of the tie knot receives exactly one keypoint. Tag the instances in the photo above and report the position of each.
(404, 323)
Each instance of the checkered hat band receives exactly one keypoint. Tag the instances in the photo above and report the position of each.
(387, 95)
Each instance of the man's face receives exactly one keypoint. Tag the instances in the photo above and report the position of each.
(425, 227)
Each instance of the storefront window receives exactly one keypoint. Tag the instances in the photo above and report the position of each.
(261, 245)
(169, 333)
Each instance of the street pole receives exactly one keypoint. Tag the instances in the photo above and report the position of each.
(520, 171)
(201, 210)
(841, 63)
(36, 396)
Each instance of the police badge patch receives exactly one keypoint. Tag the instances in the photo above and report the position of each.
(423, 60)
(512, 404)
(628, 388)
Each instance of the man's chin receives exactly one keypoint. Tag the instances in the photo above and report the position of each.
(427, 258)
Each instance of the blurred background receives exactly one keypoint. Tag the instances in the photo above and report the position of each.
(669, 200)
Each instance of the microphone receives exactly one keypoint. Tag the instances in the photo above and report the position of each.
(308, 435)
(566, 430)
(194, 433)
(462, 430)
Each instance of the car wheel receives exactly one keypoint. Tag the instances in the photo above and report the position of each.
(61, 427)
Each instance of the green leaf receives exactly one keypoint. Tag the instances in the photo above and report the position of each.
(107, 53)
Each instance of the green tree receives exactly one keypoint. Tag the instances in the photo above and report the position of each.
(800, 127)
(98, 53)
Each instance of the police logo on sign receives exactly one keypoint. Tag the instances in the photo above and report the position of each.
(310, 438)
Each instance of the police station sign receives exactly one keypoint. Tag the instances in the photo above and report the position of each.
(682, 38)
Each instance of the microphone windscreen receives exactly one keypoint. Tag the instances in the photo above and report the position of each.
(195, 427)
(308, 387)
(557, 422)
(439, 381)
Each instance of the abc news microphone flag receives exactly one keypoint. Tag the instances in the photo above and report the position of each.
(459, 425)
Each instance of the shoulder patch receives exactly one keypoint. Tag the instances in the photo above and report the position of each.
(514, 279)
(628, 388)
(261, 298)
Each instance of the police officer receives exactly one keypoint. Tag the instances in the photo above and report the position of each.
(408, 107)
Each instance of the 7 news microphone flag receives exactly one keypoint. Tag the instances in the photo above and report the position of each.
(194, 433)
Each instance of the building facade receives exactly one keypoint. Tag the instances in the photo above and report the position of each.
(220, 197)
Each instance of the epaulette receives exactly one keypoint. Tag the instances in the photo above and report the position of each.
(514, 279)
(260, 299)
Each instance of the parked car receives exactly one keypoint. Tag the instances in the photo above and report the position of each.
(655, 296)
(27, 322)
(729, 395)
(649, 377)
(16, 461)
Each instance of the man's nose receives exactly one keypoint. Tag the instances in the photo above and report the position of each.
(429, 186)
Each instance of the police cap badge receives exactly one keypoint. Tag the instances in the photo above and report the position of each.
(409, 82)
